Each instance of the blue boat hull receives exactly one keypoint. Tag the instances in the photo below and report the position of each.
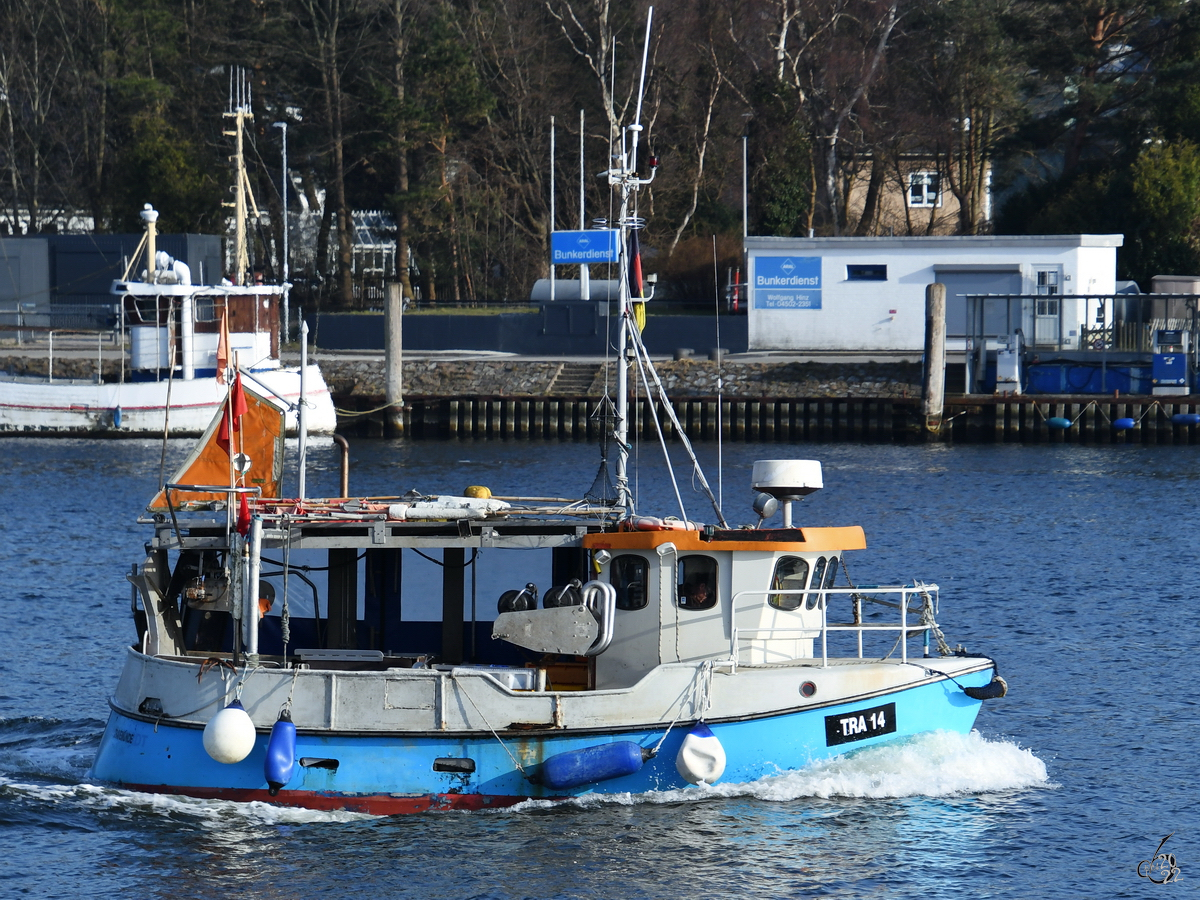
(388, 774)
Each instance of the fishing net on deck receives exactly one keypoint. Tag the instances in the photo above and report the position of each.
(603, 492)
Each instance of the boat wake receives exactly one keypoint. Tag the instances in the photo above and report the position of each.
(109, 802)
(938, 764)
(44, 747)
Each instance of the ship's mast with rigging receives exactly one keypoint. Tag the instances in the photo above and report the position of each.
(240, 112)
(623, 176)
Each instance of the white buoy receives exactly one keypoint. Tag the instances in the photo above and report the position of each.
(229, 735)
(701, 758)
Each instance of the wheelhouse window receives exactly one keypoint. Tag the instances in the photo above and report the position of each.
(628, 577)
(866, 273)
(924, 189)
(697, 582)
(791, 574)
(824, 573)
(206, 309)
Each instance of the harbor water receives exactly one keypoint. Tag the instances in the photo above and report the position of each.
(1073, 566)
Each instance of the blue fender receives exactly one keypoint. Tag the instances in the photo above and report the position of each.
(280, 763)
(591, 764)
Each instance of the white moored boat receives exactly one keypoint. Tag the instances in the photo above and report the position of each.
(183, 340)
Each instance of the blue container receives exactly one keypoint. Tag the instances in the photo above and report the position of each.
(1170, 369)
(1067, 378)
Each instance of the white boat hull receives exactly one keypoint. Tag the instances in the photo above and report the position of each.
(139, 408)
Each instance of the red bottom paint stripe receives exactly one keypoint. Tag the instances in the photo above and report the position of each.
(372, 804)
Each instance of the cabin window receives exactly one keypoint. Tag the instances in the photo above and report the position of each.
(824, 573)
(628, 577)
(206, 309)
(697, 582)
(791, 574)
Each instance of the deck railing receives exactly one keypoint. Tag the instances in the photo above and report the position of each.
(927, 594)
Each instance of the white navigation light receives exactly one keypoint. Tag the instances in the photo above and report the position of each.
(787, 480)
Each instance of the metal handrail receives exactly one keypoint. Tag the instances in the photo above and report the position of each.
(601, 598)
(200, 489)
(823, 632)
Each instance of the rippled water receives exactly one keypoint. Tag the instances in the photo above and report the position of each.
(1073, 566)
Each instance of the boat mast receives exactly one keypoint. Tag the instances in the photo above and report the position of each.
(239, 112)
(623, 176)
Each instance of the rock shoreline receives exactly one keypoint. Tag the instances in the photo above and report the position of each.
(364, 379)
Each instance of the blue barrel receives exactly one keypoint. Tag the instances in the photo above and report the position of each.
(592, 764)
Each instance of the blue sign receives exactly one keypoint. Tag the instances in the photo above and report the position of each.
(787, 282)
(597, 246)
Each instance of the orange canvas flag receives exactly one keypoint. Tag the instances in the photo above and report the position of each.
(262, 429)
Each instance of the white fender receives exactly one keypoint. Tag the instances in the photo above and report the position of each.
(229, 735)
(701, 758)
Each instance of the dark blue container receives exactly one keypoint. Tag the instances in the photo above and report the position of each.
(1065, 378)
(592, 764)
(1170, 369)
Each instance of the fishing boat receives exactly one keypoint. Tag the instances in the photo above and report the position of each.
(330, 653)
(184, 340)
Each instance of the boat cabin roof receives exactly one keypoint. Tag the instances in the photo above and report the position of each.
(339, 524)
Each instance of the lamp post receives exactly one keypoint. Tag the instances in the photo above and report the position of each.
(286, 228)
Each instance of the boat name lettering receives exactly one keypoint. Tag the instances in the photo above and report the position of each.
(860, 724)
(123, 735)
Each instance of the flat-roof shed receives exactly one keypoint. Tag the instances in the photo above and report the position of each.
(868, 293)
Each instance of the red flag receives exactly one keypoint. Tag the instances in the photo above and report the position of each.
(635, 266)
(237, 397)
(243, 519)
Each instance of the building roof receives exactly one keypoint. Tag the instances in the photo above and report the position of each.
(936, 241)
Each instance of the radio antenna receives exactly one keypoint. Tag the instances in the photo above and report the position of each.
(636, 127)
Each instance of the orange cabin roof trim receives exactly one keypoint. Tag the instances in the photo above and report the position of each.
(850, 537)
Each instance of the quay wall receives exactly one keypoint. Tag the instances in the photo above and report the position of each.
(760, 401)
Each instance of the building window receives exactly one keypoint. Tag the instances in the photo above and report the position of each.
(866, 273)
(924, 189)
(1047, 307)
(1047, 282)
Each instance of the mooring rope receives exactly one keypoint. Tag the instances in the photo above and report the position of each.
(499, 740)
